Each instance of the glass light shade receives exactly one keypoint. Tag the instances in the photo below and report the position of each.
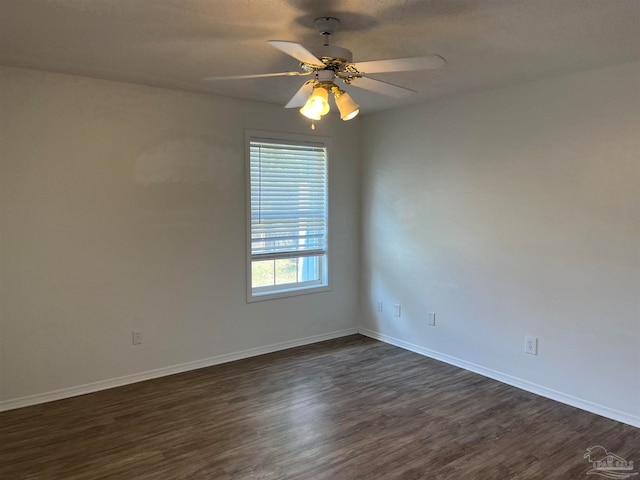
(317, 104)
(348, 108)
(308, 113)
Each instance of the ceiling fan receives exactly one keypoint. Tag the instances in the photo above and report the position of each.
(328, 63)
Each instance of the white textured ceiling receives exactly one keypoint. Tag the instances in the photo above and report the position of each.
(176, 43)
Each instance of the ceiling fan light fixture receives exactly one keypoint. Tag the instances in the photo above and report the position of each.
(317, 105)
(347, 107)
(328, 63)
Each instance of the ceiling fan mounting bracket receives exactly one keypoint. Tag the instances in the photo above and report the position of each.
(326, 25)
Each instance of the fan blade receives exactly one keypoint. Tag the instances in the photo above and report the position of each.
(382, 87)
(401, 64)
(258, 75)
(297, 51)
(301, 96)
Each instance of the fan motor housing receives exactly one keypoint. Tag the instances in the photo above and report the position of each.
(331, 52)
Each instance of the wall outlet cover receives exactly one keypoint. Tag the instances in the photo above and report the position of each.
(531, 345)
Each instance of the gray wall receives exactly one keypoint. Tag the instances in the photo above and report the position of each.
(513, 212)
(123, 207)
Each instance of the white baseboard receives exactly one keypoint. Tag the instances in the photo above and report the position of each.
(162, 372)
(508, 379)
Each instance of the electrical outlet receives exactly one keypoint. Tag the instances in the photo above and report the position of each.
(136, 336)
(379, 305)
(397, 310)
(531, 345)
(431, 319)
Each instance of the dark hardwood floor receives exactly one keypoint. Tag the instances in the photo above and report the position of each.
(351, 408)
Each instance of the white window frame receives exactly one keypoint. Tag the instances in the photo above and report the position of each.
(300, 288)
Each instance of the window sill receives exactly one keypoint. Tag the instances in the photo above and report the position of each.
(293, 292)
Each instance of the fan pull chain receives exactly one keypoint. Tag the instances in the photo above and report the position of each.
(313, 125)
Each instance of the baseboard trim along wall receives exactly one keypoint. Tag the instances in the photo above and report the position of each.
(162, 372)
(230, 357)
(508, 379)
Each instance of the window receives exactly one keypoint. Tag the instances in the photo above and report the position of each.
(288, 215)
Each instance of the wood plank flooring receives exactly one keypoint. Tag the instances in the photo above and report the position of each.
(351, 408)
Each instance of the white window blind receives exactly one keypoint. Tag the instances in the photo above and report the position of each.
(288, 199)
